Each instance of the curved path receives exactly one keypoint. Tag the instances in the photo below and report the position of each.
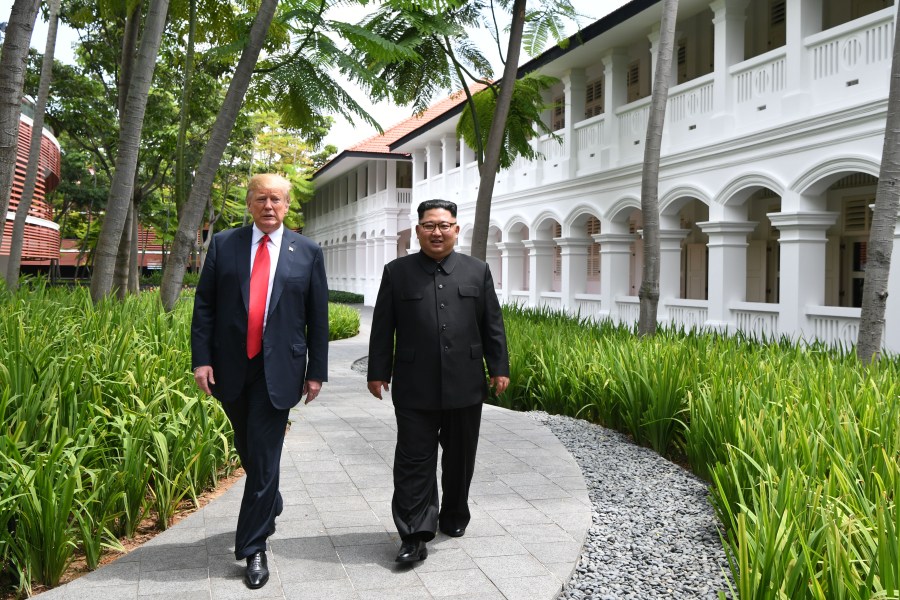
(336, 538)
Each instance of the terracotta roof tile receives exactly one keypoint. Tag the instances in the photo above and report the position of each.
(381, 143)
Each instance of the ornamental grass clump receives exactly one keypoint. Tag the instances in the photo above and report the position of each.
(102, 426)
(801, 443)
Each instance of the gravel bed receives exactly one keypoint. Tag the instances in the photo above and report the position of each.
(654, 532)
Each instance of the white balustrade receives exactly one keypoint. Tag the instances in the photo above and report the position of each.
(760, 77)
(843, 50)
(756, 319)
(834, 325)
(588, 305)
(692, 99)
(691, 314)
(551, 300)
(628, 309)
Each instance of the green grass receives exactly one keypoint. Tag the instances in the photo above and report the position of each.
(801, 444)
(101, 425)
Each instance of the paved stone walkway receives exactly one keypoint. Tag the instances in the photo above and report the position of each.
(336, 538)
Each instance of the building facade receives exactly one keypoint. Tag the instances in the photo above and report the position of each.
(770, 160)
(41, 242)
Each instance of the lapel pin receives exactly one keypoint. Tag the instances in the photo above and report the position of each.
(291, 248)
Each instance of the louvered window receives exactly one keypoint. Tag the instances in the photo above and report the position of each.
(633, 81)
(559, 113)
(778, 13)
(593, 99)
(856, 215)
(557, 260)
(593, 261)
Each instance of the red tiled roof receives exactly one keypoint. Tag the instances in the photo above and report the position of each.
(380, 143)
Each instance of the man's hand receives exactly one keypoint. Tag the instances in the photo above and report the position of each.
(203, 376)
(375, 388)
(311, 389)
(499, 384)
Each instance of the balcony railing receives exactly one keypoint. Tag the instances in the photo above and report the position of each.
(756, 319)
(834, 325)
(691, 314)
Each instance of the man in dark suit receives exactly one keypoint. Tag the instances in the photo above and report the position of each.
(441, 308)
(259, 341)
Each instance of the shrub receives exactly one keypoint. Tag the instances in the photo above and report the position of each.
(344, 297)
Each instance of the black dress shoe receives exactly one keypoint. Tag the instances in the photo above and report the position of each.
(257, 574)
(412, 551)
(456, 532)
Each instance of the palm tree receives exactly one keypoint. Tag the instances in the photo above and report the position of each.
(884, 221)
(495, 137)
(649, 292)
(34, 155)
(120, 192)
(192, 213)
(12, 80)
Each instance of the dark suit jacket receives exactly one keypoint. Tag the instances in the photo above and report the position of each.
(447, 323)
(296, 325)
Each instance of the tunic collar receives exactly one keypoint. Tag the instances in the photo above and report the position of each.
(430, 265)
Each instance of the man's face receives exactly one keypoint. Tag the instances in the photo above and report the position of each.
(437, 243)
(268, 205)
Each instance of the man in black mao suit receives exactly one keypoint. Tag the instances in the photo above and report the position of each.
(259, 342)
(442, 309)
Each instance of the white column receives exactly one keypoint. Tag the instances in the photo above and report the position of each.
(390, 247)
(575, 85)
(371, 186)
(466, 183)
(418, 171)
(433, 158)
(540, 277)
(391, 182)
(727, 267)
(615, 268)
(728, 49)
(653, 36)
(512, 259)
(615, 64)
(574, 269)
(373, 279)
(361, 271)
(804, 18)
(669, 267)
(362, 182)
(802, 271)
(493, 261)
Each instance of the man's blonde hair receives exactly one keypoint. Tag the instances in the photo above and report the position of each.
(269, 180)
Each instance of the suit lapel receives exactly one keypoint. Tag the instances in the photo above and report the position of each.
(243, 263)
(283, 268)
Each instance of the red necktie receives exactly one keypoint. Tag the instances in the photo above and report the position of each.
(259, 289)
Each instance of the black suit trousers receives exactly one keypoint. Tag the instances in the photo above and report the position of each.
(258, 437)
(415, 506)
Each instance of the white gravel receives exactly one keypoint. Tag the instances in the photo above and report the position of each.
(654, 532)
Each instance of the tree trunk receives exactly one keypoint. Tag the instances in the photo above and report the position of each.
(120, 274)
(649, 292)
(495, 135)
(126, 158)
(884, 221)
(134, 268)
(181, 185)
(190, 218)
(126, 60)
(12, 80)
(34, 154)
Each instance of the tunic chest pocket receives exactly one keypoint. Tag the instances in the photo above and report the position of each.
(468, 291)
(411, 295)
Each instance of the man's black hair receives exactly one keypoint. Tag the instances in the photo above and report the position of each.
(433, 204)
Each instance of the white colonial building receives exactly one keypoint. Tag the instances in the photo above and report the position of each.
(770, 159)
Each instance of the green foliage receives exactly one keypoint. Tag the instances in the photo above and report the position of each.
(344, 297)
(801, 443)
(523, 124)
(101, 425)
(343, 321)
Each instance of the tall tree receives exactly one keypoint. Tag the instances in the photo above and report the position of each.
(297, 82)
(649, 291)
(34, 154)
(126, 160)
(884, 222)
(436, 31)
(192, 213)
(495, 136)
(12, 79)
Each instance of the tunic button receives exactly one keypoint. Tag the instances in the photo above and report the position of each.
(446, 348)
(444, 326)
(440, 286)
(442, 305)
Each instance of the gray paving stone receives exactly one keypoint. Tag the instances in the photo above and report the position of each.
(336, 538)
